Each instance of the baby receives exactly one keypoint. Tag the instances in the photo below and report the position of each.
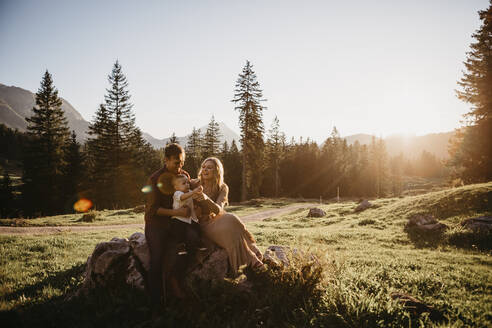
(183, 197)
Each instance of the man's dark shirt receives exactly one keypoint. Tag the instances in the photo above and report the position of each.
(156, 199)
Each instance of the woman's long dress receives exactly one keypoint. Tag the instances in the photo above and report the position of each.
(228, 231)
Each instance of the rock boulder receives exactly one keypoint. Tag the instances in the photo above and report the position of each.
(364, 205)
(316, 213)
(480, 224)
(425, 224)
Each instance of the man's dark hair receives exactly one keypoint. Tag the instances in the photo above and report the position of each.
(173, 149)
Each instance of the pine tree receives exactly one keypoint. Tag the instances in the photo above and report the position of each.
(211, 139)
(232, 172)
(43, 160)
(274, 150)
(115, 147)
(248, 97)
(6, 196)
(379, 166)
(193, 150)
(473, 158)
(99, 150)
(173, 139)
(73, 171)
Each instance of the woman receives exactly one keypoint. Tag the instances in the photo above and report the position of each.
(225, 229)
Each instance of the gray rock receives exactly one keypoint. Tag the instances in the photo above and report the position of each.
(277, 255)
(127, 261)
(134, 276)
(364, 205)
(283, 255)
(425, 224)
(140, 249)
(211, 266)
(88, 217)
(480, 224)
(316, 213)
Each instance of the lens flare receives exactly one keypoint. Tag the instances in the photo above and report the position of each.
(146, 189)
(82, 205)
(159, 185)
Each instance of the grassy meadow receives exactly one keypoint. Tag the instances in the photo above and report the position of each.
(130, 216)
(360, 259)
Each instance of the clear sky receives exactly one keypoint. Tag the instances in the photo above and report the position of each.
(378, 67)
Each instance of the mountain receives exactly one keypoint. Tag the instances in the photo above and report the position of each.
(16, 104)
(227, 134)
(410, 146)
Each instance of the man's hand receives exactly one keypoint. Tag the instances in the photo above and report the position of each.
(184, 211)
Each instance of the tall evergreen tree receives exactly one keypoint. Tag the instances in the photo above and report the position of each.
(379, 166)
(6, 196)
(73, 171)
(232, 171)
(274, 151)
(472, 158)
(193, 151)
(99, 149)
(116, 146)
(43, 160)
(211, 139)
(173, 139)
(248, 98)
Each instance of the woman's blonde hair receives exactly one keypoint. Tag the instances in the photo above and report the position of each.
(218, 171)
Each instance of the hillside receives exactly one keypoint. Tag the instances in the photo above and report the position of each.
(16, 104)
(410, 146)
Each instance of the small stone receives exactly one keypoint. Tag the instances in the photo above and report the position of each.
(364, 205)
(88, 217)
(480, 224)
(426, 224)
(316, 213)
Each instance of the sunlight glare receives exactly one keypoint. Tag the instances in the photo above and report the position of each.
(146, 189)
(82, 205)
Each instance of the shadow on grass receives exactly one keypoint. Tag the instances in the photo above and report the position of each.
(298, 296)
(458, 237)
(424, 239)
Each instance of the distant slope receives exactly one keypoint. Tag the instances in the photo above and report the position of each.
(411, 146)
(227, 134)
(16, 104)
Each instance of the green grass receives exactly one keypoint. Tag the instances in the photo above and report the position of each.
(128, 216)
(364, 256)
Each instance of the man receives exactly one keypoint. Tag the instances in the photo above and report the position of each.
(161, 232)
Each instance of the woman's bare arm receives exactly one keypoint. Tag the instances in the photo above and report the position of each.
(217, 205)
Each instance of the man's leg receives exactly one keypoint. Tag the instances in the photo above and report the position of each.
(174, 263)
(155, 234)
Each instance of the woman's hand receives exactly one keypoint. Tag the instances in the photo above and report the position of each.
(200, 195)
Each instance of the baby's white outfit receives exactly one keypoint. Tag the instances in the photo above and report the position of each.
(178, 203)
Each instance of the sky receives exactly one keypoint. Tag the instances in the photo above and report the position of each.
(376, 67)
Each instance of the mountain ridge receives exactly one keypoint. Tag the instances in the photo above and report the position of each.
(16, 104)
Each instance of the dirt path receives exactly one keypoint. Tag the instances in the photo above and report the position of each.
(52, 230)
